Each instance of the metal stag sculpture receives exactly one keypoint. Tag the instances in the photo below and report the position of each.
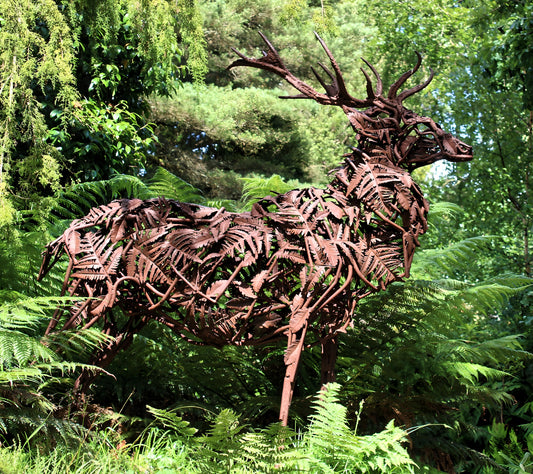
(297, 264)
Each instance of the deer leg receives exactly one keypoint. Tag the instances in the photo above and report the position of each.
(295, 347)
(329, 357)
(104, 356)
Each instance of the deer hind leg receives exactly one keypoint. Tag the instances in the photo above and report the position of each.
(329, 358)
(295, 347)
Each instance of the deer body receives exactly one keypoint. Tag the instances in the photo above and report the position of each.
(294, 267)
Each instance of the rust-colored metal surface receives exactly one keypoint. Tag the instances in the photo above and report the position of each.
(293, 268)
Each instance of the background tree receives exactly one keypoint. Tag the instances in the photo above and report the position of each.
(73, 83)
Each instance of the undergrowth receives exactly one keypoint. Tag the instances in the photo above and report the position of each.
(170, 444)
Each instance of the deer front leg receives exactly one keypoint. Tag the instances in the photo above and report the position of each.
(104, 356)
(329, 358)
(295, 345)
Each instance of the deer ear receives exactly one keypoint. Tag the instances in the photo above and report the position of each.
(357, 119)
(407, 144)
(449, 144)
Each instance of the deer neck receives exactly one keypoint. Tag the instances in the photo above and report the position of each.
(383, 196)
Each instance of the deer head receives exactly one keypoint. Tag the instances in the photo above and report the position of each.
(384, 127)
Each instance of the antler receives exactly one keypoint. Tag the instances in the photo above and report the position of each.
(409, 92)
(336, 92)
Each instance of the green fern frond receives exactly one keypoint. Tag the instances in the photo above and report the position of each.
(272, 450)
(20, 321)
(170, 420)
(330, 441)
(229, 204)
(21, 312)
(472, 372)
(496, 350)
(258, 187)
(503, 349)
(164, 183)
(221, 447)
(26, 355)
(488, 298)
(24, 374)
(455, 255)
(17, 349)
(444, 209)
(75, 342)
(27, 422)
(76, 201)
(494, 395)
(225, 427)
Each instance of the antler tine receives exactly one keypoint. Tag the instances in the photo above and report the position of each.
(369, 89)
(406, 75)
(414, 90)
(271, 60)
(336, 93)
(331, 89)
(379, 84)
(338, 81)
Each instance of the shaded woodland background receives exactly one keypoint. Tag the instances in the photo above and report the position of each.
(123, 98)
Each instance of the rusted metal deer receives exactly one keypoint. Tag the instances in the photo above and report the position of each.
(293, 268)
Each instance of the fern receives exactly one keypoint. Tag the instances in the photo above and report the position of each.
(257, 187)
(456, 255)
(328, 445)
(170, 420)
(444, 210)
(164, 183)
(29, 364)
(431, 350)
(333, 444)
(79, 198)
(271, 450)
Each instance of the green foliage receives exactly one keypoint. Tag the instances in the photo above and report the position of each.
(170, 420)
(73, 86)
(437, 29)
(434, 351)
(228, 446)
(105, 139)
(257, 187)
(327, 445)
(78, 199)
(31, 370)
(162, 368)
(32, 60)
(126, 51)
(209, 134)
(216, 133)
(243, 130)
(20, 259)
(506, 449)
(506, 52)
(339, 449)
